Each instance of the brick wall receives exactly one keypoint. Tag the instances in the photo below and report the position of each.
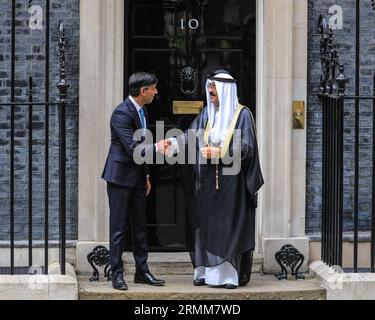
(345, 40)
(30, 61)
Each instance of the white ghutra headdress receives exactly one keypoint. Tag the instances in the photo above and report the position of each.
(220, 118)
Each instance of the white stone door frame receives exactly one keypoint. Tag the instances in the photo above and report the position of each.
(281, 79)
(260, 98)
(101, 89)
(281, 66)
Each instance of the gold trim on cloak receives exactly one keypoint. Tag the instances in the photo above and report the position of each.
(228, 138)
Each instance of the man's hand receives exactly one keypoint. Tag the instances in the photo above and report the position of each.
(148, 186)
(210, 152)
(163, 146)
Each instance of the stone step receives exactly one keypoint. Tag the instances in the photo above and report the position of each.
(180, 287)
(175, 263)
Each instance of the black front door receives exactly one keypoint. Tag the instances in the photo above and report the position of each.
(181, 41)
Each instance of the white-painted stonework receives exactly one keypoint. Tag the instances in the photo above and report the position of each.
(53, 286)
(344, 286)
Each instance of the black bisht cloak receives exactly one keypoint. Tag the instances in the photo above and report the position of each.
(222, 222)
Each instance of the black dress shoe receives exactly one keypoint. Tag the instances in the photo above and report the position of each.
(118, 282)
(230, 286)
(147, 278)
(244, 279)
(199, 282)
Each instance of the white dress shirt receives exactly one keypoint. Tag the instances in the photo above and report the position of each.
(138, 107)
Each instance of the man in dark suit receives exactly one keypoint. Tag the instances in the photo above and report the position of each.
(128, 183)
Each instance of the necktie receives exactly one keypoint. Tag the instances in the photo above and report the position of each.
(142, 113)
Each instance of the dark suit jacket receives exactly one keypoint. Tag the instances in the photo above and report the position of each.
(120, 167)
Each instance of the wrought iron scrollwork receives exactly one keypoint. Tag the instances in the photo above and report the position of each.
(63, 85)
(289, 256)
(329, 83)
(188, 78)
(100, 257)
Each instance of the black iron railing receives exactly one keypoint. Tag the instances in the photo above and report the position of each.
(332, 88)
(47, 104)
(332, 200)
(334, 100)
(63, 91)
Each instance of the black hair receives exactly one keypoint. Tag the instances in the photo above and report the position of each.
(139, 80)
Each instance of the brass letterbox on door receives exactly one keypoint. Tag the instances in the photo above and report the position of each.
(187, 107)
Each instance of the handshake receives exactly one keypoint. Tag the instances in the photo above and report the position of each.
(170, 147)
(164, 147)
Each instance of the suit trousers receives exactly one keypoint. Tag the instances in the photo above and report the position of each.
(128, 204)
